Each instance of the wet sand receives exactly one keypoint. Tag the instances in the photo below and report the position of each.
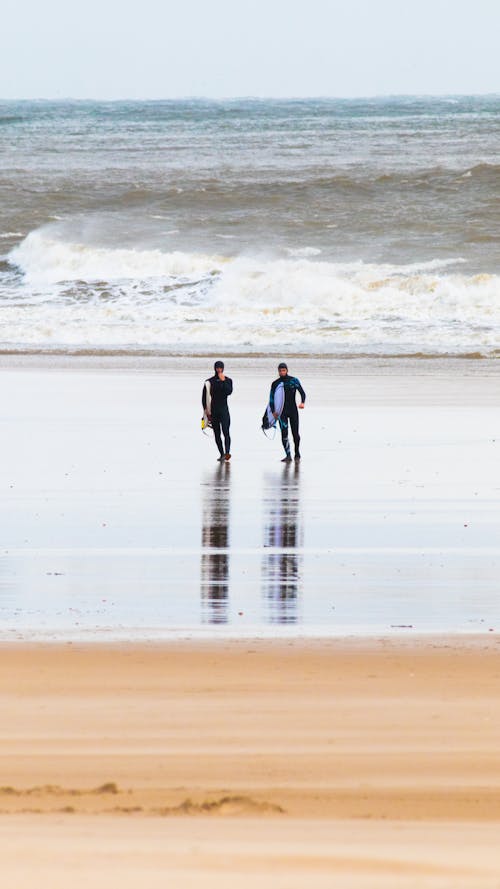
(119, 524)
(347, 763)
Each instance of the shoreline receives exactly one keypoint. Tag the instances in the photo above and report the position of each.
(139, 357)
(131, 351)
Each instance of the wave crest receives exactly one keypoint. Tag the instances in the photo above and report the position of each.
(75, 294)
(47, 260)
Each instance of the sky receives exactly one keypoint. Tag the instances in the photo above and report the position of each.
(156, 49)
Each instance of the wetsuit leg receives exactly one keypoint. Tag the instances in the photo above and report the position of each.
(294, 426)
(284, 434)
(226, 422)
(216, 424)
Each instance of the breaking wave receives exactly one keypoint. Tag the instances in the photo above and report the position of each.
(72, 294)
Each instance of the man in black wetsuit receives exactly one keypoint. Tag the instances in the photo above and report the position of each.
(289, 412)
(218, 413)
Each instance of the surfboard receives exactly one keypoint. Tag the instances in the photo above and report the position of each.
(269, 420)
(205, 422)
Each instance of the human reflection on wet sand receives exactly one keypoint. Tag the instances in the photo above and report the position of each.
(283, 532)
(214, 566)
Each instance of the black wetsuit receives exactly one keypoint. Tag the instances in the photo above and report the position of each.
(219, 412)
(289, 412)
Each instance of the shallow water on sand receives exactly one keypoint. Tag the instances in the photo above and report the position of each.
(118, 522)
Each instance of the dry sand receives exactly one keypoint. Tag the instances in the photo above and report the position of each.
(324, 763)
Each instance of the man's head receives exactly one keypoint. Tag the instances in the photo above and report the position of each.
(218, 366)
(282, 369)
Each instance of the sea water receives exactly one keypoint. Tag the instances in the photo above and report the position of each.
(340, 227)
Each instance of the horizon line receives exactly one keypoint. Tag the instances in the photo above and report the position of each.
(255, 98)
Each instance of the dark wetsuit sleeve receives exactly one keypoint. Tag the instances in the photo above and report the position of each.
(298, 386)
(228, 386)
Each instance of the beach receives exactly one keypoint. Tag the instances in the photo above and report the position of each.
(255, 671)
(345, 763)
(249, 671)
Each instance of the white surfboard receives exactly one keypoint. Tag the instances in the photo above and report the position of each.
(269, 420)
(205, 422)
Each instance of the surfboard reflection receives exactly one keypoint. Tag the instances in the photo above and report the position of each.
(283, 533)
(214, 568)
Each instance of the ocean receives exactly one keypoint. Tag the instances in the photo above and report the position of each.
(331, 227)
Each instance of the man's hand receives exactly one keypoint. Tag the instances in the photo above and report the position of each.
(220, 374)
(275, 415)
(209, 418)
(302, 406)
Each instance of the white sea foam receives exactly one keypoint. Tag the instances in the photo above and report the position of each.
(303, 251)
(75, 294)
(47, 260)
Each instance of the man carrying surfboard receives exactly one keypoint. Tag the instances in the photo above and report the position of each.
(214, 400)
(283, 407)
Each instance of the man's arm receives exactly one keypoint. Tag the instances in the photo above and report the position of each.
(228, 386)
(299, 387)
